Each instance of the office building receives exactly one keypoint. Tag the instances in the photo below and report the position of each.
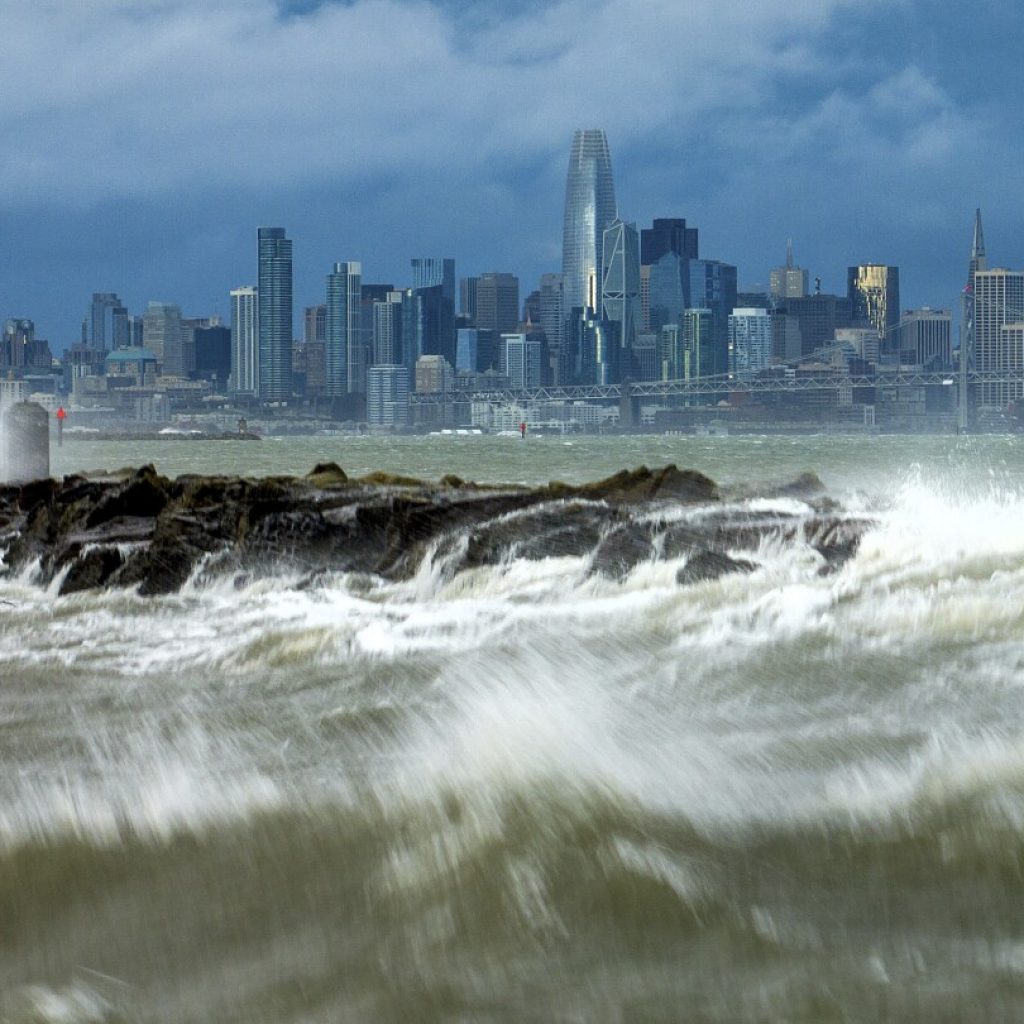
(998, 303)
(496, 306)
(667, 235)
(620, 286)
(429, 318)
(552, 321)
(162, 334)
(589, 210)
(926, 338)
(712, 285)
(750, 342)
(667, 288)
(245, 351)
(275, 314)
(874, 293)
(817, 316)
(523, 360)
(212, 355)
(788, 281)
(434, 375)
(343, 344)
(109, 323)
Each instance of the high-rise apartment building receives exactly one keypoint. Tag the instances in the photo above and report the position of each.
(275, 314)
(387, 395)
(699, 343)
(998, 316)
(344, 348)
(788, 281)
(387, 330)
(874, 291)
(750, 342)
(589, 210)
(523, 355)
(245, 350)
(620, 285)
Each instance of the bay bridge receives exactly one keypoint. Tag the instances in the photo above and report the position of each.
(723, 385)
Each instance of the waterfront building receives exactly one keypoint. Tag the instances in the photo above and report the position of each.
(343, 343)
(874, 293)
(434, 375)
(245, 352)
(387, 395)
(589, 209)
(275, 314)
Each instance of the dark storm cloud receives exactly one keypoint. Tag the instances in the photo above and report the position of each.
(147, 138)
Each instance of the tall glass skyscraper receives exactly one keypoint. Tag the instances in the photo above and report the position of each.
(589, 210)
(275, 315)
(620, 286)
(874, 291)
(345, 359)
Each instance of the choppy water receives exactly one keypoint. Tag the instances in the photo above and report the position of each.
(530, 794)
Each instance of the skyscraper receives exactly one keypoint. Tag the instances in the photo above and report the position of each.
(245, 350)
(667, 235)
(712, 285)
(497, 303)
(589, 210)
(998, 310)
(789, 281)
(552, 322)
(314, 323)
(620, 286)
(162, 335)
(108, 322)
(275, 315)
(345, 360)
(874, 291)
(750, 341)
(432, 329)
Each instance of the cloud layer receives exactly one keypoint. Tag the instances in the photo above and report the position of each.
(756, 118)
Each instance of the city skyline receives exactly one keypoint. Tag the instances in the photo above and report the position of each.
(800, 121)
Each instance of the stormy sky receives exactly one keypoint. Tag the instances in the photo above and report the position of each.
(143, 141)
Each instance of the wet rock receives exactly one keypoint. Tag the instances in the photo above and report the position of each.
(711, 565)
(327, 474)
(643, 484)
(622, 549)
(143, 495)
(92, 569)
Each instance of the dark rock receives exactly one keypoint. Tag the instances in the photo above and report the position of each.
(93, 569)
(623, 548)
(710, 565)
(144, 494)
(327, 474)
(643, 484)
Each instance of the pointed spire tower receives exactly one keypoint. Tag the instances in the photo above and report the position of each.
(977, 250)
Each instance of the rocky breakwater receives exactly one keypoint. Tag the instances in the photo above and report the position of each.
(140, 529)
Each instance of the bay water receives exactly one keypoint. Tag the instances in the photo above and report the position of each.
(528, 792)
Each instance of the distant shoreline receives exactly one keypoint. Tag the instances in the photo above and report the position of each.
(106, 435)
